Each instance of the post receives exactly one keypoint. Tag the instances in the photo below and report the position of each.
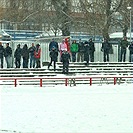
(66, 81)
(130, 25)
(15, 82)
(130, 9)
(90, 81)
(40, 82)
(114, 80)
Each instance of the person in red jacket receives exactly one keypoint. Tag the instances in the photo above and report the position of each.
(68, 44)
(37, 55)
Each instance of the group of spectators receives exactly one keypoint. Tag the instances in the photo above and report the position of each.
(74, 52)
(32, 54)
(77, 51)
(84, 51)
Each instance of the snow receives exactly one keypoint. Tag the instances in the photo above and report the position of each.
(61, 109)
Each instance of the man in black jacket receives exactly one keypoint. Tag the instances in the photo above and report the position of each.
(80, 54)
(131, 52)
(106, 46)
(92, 50)
(2, 52)
(31, 56)
(17, 56)
(53, 55)
(65, 60)
(8, 55)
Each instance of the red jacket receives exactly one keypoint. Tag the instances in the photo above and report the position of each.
(68, 44)
(37, 53)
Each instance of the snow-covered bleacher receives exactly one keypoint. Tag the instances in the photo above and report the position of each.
(100, 72)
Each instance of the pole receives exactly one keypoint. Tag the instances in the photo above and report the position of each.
(130, 25)
(130, 9)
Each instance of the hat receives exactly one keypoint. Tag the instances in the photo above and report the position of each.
(90, 39)
(38, 45)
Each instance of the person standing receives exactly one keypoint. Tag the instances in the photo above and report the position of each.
(65, 60)
(74, 50)
(131, 52)
(25, 56)
(92, 49)
(17, 56)
(2, 52)
(53, 55)
(80, 54)
(123, 45)
(8, 55)
(31, 55)
(105, 49)
(37, 55)
(86, 53)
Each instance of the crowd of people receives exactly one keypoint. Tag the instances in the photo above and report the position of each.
(84, 51)
(33, 54)
(77, 51)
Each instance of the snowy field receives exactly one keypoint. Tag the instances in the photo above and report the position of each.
(60, 109)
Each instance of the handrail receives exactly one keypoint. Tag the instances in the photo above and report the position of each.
(66, 79)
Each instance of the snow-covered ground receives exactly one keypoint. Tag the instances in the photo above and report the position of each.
(60, 109)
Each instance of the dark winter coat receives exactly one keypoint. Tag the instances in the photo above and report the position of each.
(131, 48)
(18, 53)
(53, 54)
(124, 44)
(2, 51)
(25, 52)
(65, 57)
(86, 51)
(53, 44)
(31, 50)
(106, 46)
(80, 47)
(91, 45)
(8, 51)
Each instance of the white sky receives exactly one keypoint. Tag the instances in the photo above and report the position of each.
(60, 109)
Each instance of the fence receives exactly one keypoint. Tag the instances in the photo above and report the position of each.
(44, 44)
(66, 80)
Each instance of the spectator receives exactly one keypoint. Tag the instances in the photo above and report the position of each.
(105, 49)
(8, 55)
(17, 56)
(63, 46)
(2, 52)
(131, 52)
(80, 54)
(65, 60)
(74, 50)
(92, 50)
(53, 43)
(86, 52)
(123, 45)
(37, 55)
(31, 56)
(53, 55)
(25, 55)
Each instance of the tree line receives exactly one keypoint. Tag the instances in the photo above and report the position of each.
(92, 16)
